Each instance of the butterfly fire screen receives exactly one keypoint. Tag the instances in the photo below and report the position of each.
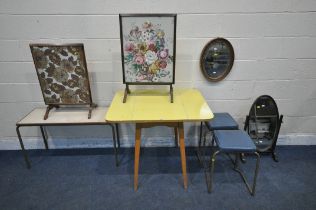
(63, 75)
(148, 47)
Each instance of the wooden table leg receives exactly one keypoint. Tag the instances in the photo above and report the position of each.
(137, 150)
(183, 157)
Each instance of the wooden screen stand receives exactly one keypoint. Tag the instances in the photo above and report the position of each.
(92, 106)
(49, 107)
(127, 91)
(171, 93)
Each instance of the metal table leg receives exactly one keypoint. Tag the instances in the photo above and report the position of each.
(114, 144)
(44, 137)
(26, 158)
(118, 135)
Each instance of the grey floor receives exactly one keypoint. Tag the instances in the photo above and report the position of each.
(89, 179)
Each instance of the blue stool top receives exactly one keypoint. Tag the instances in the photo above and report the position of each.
(234, 141)
(222, 121)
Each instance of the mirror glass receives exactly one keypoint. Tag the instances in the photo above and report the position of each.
(263, 122)
(217, 59)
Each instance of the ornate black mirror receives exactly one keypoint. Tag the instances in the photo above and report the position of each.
(217, 59)
(263, 124)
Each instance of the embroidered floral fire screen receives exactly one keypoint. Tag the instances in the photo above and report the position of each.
(62, 73)
(148, 43)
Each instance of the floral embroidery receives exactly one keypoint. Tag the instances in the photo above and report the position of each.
(80, 71)
(40, 59)
(146, 54)
(67, 65)
(62, 75)
(84, 96)
(57, 88)
(55, 58)
(68, 96)
(72, 83)
(73, 50)
(83, 83)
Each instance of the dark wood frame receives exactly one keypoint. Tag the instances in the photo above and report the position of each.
(127, 90)
(56, 105)
(279, 121)
(231, 57)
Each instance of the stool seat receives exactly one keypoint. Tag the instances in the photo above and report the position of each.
(234, 141)
(222, 121)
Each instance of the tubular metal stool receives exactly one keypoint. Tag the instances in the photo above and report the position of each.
(235, 142)
(221, 121)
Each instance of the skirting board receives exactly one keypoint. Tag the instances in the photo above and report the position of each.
(12, 143)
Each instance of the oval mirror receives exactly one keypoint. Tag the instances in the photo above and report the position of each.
(217, 59)
(264, 122)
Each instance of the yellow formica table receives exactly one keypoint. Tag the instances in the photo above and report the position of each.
(149, 108)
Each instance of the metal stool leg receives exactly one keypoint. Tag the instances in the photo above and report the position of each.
(209, 176)
(200, 153)
(199, 148)
(252, 188)
(200, 136)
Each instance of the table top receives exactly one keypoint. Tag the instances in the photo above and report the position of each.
(64, 116)
(155, 106)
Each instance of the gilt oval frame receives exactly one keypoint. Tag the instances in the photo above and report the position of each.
(205, 51)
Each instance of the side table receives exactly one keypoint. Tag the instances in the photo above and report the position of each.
(65, 117)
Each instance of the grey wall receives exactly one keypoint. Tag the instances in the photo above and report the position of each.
(274, 43)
